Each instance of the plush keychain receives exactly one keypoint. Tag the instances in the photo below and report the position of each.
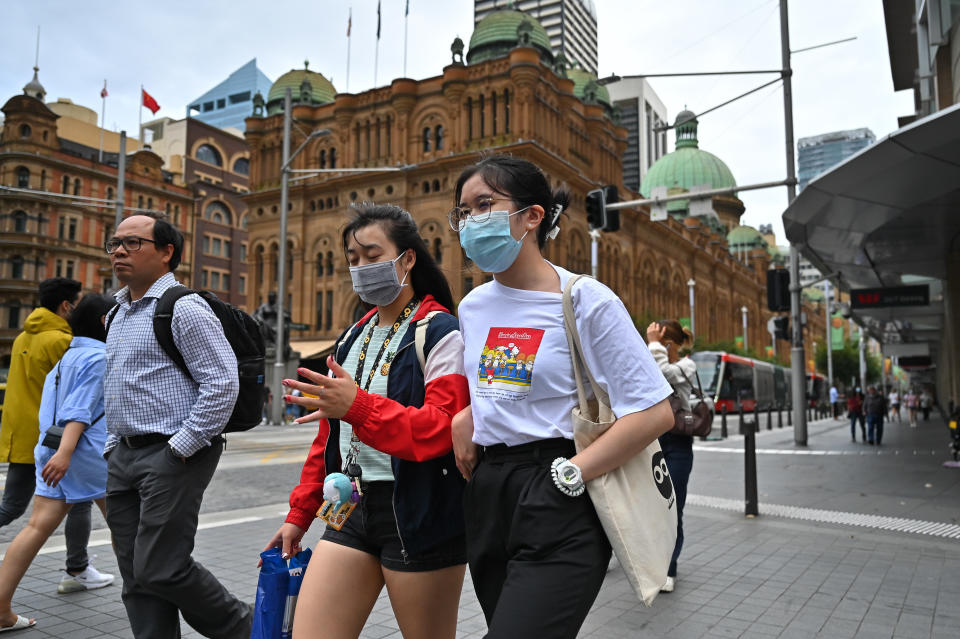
(340, 497)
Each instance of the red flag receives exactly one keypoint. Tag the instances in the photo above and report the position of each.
(149, 102)
(103, 92)
(378, 19)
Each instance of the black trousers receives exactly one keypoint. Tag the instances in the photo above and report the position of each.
(537, 557)
(153, 504)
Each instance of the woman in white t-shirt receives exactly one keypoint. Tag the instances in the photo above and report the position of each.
(537, 551)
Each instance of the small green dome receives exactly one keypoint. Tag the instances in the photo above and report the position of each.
(497, 33)
(321, 89)
(745, 236)
(581, 78)
(687, 166)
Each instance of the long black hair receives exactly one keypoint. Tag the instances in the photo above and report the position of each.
(85, 319)
(425, 277)
(524, 183)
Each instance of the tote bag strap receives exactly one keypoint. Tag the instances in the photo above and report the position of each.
(687, 379)
(576, 353)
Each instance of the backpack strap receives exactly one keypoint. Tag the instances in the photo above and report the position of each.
(163, 325)
(420, 338)
(110, 315)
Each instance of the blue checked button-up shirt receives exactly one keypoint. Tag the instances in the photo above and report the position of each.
(144, 390)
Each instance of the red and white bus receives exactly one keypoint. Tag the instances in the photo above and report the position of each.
(734, 381)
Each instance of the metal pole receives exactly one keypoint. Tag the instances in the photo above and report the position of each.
(797, 373)
(276, 411)
(693, 325)
(863, 362)
(594, 243)
(121, 179)
(827, 293)
(750, 470)
(743, 312)
(103, 120)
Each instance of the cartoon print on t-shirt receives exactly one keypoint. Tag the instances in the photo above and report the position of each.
(506, 363)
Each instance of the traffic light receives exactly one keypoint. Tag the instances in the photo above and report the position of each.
(778, 290)
(611, 196)
(596, 206)
(781, 327)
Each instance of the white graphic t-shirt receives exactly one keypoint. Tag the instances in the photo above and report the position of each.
(518, 364)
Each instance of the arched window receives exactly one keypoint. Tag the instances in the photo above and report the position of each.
(218, 213)
(320, 204)
(109, 192)
(426, 186)
(66, 184)
(438, 250)
(426, 139)
(23, 177)
(25, 131)
(436, 186)
(323, 158)
(319, 264)
(19, 222)
(333, 158)
(150, 203)
(259, 265)
(208, 154)
(76, 186)
(16, 267)
(140, 202)
(241, 166)
(329, 262)
(438, 137)
(329, 202)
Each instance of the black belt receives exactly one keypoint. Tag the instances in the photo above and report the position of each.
(140, 441)
(544, 450)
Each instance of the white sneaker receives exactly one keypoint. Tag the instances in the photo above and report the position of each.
(89, 579)
(669, 585)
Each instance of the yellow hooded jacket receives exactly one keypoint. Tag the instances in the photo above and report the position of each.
(35, 352)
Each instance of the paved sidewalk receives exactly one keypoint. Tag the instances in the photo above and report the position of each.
(772, 576)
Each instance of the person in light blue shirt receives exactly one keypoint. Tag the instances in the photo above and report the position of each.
(71, 470)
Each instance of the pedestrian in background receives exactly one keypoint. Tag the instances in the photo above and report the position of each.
(75, 471)
(912, 402)
(537, 551)
(385, 419)
(874, 408)
(834, 398)
(164, 440)
(45, 337)
(926, 403)
(664, 339)
(894, 398)
(855, 414)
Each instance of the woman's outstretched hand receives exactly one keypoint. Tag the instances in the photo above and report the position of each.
(327, 397)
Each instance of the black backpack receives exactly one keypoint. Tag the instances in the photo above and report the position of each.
(244, 336)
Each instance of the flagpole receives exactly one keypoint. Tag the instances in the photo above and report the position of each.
(103, 119)
(406, 17)
(376, 51)
(349, 26)
(140, 116)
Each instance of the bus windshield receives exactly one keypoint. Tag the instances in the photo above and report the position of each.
(708, 369)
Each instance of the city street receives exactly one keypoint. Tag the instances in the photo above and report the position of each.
(852, 541)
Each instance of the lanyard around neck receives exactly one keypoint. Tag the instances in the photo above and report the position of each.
(404, 315)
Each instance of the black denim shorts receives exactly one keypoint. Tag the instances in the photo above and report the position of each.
(372, 528)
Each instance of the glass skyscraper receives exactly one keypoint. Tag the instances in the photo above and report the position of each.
(228, 104)
(819, 153)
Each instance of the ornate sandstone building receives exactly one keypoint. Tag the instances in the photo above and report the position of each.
(510, 95)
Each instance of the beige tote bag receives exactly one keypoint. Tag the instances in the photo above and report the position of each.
(636, 502)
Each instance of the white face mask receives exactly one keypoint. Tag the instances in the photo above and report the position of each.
(377, 283)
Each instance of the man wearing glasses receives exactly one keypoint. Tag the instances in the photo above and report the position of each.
(164, 439)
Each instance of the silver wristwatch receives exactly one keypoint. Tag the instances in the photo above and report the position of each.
(567, 477)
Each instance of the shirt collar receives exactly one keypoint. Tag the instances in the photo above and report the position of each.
(87, 342)
(156, 289)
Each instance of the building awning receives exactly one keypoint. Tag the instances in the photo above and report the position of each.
(889, 216)
(313, 349)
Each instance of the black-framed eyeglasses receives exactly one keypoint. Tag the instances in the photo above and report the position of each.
(130, 243)
(478, 214)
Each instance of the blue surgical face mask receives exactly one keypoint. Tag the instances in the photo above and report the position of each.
(377, 283)
(490, 244)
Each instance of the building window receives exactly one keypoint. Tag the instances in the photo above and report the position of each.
(205, 278)
(438, 250)
(242, 285)
(206, 245)
(320, 310)
(319, 264)
(467, 284)
(109, 192)
(72, 228)
(241, 166)
(66, 184)
(43, 180)
(438, 137)
(469, 118)
(13, 319)
(210, 155)
(259, 265)
(329, 262)
(323, 158)
(68, 273)
(328, 311)
(493, 111)
(483, 116)
(436, 186)
(16, 267)
(333, 158)
(218, 213)
(208, 106)
(139, 201)
(25, 131)
(23, 177)
(243, 250)
(19, 222)
(76, 186)
(506, 110)
(221, 103)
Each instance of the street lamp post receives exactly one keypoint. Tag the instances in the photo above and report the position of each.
(280, 363)
(743, 312)
(693, 324)
(827, 293)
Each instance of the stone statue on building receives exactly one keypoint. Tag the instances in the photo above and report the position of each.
(524, 33)
(457, 50)
(306, 91)
(560, 65)
(266, 314)
(258, 105)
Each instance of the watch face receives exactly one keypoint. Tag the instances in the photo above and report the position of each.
(569, 474)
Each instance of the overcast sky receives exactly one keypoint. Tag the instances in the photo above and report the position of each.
(178, 50)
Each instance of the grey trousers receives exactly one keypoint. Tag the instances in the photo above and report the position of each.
(153, 503)
(18, 491)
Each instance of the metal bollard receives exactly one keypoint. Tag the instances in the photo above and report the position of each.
(723, 422)
(750, 471)
(790, 416)
(779, 416)
(756, 417)
(769, 417)
(740, 410)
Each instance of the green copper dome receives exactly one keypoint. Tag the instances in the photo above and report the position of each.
(321, 90)
(687, 166)
(745, 236)
(581, 78)
(500, 31)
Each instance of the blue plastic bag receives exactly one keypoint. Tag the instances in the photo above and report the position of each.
(271, 602)
(298, 565)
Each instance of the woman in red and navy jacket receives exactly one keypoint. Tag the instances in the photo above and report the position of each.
(385, 415)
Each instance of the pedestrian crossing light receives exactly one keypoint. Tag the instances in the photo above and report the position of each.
(781, 327)
(598, 217)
